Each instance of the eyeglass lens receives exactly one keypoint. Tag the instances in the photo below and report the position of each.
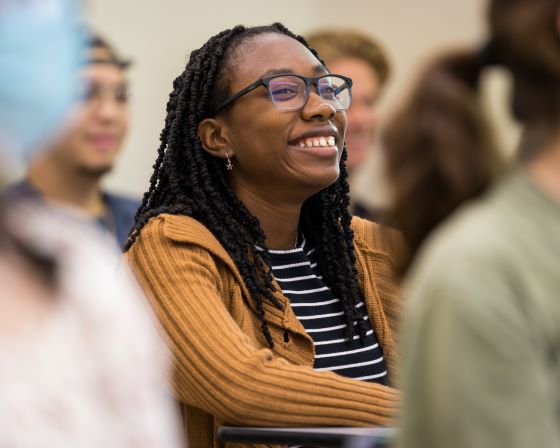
(290, 92)
(94, 92)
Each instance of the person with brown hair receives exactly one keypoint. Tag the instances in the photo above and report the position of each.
(439, 149)
(481, 338)
(363, 59)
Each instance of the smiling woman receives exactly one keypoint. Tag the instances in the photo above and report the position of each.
(279, 306)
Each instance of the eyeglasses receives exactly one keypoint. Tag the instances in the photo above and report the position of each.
(94, 93)
(291, 92)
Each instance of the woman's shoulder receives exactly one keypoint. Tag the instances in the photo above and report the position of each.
(179, 229)
(371, 236)
(167, 231)
(175, 227)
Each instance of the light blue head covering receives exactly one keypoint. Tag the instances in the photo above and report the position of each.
(41, 47)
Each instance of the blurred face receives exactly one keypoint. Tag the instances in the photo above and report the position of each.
(289, 155)
(100, 122)
(362, 115)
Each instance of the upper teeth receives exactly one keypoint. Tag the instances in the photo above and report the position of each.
(317, 141)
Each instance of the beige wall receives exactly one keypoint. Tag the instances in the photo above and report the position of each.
(158, 35)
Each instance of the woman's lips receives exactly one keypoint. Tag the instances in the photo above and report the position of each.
(316, 142)
(323, 147)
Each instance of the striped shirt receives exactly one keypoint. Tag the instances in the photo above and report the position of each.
(322, 316)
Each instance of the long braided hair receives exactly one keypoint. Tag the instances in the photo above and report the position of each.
(189, 181)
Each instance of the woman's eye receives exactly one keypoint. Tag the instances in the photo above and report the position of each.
(283, 91)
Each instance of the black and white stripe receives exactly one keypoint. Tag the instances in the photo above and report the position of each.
(322, 316)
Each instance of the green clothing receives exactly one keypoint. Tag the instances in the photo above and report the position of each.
(481, 335)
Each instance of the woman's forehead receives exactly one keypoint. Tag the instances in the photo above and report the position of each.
(270, 53)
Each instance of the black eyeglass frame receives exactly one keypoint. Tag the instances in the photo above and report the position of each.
(265, 81)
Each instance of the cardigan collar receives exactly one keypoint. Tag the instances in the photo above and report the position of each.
(189, 230)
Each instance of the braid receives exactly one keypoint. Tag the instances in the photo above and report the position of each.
(188, 181)
(326, 219)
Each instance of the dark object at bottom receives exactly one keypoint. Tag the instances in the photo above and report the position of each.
(311, 437)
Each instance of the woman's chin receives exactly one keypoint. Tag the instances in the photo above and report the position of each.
(320, 180)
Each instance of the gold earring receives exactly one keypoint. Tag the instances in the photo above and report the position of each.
(229, 165)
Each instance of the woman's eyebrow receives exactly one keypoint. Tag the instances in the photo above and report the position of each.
(317, 69)
(279, 71)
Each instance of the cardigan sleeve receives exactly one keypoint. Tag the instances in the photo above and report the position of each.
(220, 370)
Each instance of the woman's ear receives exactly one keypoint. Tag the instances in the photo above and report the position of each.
(213, 135)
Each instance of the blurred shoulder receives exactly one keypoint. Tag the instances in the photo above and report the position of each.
(124, 204)
(473, 246)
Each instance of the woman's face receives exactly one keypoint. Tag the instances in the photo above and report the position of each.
(277, 154)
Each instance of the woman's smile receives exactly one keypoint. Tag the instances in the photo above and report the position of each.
(320, 142)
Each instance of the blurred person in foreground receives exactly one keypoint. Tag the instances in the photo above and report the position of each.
(363, 59)
(80, 361)
(70, 172)
(481, 334)
(279, 305)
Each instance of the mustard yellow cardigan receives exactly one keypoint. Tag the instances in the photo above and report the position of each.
(224, 373)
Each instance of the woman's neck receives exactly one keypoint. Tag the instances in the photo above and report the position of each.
(279, 220)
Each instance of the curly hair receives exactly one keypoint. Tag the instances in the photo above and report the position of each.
(188, 181)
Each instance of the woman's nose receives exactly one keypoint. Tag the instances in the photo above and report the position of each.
(318, 108)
